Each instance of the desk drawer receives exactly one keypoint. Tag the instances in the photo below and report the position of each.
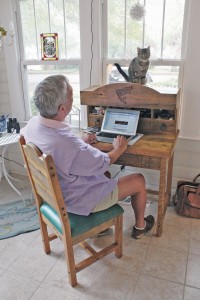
(139, 161)
(150, 162)
(130, 160)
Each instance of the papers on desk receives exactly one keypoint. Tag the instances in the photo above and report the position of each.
(135, 139)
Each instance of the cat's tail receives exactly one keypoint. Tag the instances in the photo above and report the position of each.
(126, 77)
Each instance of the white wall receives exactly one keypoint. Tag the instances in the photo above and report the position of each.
(187, 150)
(12, 63)
(190, 121)
(4, 91)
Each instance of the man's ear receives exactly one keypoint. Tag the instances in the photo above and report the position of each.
(61, 108)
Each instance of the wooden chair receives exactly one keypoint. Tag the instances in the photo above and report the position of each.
(70, 228)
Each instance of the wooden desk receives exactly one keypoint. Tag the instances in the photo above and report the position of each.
(155, 152)
(156, 148)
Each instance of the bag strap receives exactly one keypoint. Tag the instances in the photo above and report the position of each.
(195, 178)
(198, 191)
(189, 183)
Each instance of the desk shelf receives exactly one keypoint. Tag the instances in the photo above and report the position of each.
(151, 103)
(161, 126)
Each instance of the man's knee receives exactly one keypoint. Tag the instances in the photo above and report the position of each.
(139, 179)
(131, 184)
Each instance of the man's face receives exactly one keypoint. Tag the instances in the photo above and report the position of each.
(69, 100)
(70, 95)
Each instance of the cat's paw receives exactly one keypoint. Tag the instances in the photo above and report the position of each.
(143, 81)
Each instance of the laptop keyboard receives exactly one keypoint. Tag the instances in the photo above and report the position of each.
(112, 135)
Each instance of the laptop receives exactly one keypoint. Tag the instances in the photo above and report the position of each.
(119, 121)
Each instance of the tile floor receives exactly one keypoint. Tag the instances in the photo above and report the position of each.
(151, 268)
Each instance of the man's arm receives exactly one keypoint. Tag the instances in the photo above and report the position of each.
(119, 145)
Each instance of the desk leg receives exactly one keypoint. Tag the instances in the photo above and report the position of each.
(162, 199)
(169, 178)
(7, 176)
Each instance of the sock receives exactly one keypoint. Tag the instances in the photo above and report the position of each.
(141, 228)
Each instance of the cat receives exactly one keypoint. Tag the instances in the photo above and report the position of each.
(138, 67)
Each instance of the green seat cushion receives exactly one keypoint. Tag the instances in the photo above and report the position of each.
(80, 224)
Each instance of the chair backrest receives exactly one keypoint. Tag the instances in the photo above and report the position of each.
(44, 180)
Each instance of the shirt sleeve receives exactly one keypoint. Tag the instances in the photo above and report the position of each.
(90, 161)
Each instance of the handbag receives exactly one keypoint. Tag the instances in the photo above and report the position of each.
(187, 198)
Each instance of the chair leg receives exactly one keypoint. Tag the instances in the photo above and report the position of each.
(45, 237)
(71, 267)
(119, 235)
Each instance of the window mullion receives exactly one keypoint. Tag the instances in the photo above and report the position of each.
(125, 33)
(64, 15)
(36, 30)
(49, 17)
(163, 28)
(143, 35)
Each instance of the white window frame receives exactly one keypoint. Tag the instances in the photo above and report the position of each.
(24, 63)
(89, 66)
(95, 75)
(154, 62)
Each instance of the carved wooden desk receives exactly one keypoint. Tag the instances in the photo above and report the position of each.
(156, 148)
(155, 152)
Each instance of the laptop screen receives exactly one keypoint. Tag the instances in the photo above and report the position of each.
(122, 121)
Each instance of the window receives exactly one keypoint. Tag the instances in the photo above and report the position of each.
(36, 73)
(161, 29)
(119, 38)
(49, 16)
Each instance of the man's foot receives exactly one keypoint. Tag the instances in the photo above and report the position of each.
(138, 233)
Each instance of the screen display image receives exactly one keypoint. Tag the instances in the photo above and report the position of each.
(121, 122)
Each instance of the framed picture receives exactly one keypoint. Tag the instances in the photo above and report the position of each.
(49, 46)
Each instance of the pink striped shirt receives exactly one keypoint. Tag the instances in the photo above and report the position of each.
(80, 166)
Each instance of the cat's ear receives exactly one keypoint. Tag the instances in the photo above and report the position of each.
(148, 48)
(138, 49)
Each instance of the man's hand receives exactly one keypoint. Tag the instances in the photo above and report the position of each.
(89, 138)
(119, 144)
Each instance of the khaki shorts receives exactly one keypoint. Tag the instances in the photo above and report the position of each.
(108, 201)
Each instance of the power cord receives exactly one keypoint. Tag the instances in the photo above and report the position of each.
(122, 169)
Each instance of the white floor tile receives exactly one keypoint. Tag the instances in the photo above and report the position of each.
(111, 283)
(193, 271)
(191, 293)
(10, 250)
(150, 268)
(157, 289)
(34, 262)
(16, 287)
(165, 264)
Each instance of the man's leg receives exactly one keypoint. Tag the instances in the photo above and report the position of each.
(131, 185)
(134, 185)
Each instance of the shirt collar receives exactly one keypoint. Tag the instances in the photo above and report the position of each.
(53, 123)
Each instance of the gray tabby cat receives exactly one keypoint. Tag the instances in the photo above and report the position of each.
(138, 67)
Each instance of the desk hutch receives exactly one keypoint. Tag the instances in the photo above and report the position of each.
(158, 122)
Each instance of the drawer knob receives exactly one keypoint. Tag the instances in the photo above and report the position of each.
(163, 127)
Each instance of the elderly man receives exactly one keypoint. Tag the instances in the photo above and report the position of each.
(80, 166)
